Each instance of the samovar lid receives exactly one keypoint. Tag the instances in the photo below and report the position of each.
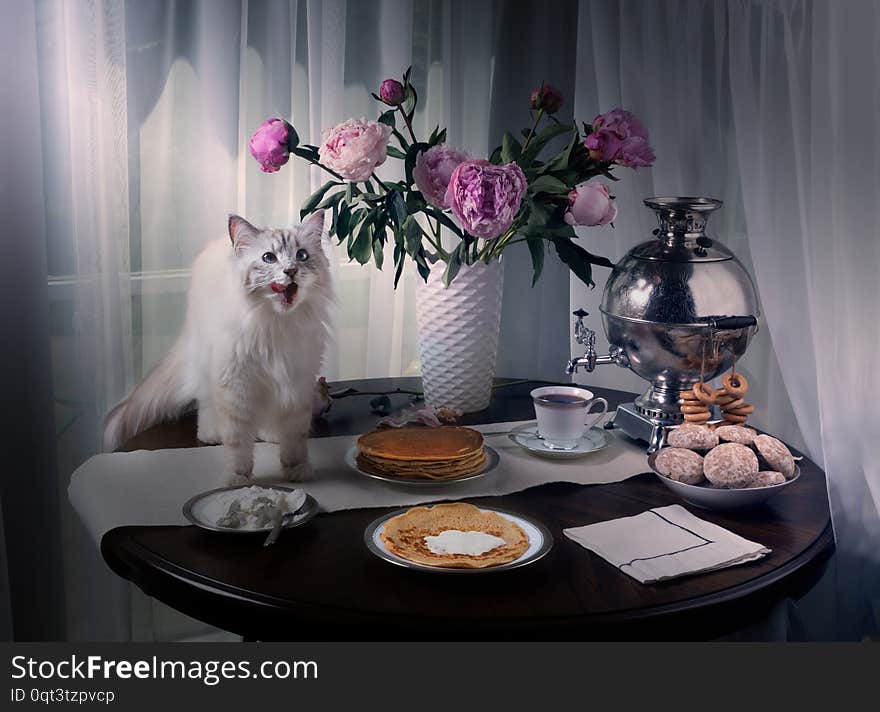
(681, 231)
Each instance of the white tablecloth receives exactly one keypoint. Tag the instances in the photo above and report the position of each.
(149, 487)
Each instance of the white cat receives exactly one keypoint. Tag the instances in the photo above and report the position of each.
(250, 350)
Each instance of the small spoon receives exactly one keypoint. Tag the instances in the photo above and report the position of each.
(277, 525)
(281, 518)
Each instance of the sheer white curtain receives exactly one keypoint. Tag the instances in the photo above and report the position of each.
(775, 108)
(145, 111)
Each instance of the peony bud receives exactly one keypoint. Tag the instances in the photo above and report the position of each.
(546, 97)
(391, 92)
(269, 145)
(590, 204)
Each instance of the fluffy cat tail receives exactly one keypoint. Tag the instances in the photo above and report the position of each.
(160, 396)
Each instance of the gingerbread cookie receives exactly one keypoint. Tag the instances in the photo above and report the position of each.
(692, 437)
(777, 456)
(735, 434)
(766, 478)
(730, 465)
(680, 464)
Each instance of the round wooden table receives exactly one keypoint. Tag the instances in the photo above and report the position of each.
(319, 582)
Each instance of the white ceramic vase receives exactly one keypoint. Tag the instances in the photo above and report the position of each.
(458, 335)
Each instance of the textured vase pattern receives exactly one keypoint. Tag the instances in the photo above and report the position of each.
(458, 335)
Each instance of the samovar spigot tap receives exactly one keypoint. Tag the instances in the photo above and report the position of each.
(586, 336)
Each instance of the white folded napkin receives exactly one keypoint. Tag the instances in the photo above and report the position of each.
(665, 543)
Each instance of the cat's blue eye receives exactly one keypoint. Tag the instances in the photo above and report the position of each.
(302, 255)
(269, 257)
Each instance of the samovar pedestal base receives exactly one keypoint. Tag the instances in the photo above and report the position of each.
(641, 427)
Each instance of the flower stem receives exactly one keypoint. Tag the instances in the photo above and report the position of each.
(329, 170)
(436, 243)
(379, 181)
(532, 130)
(408, 124)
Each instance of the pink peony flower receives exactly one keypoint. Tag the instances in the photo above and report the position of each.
(619, 136)
(354, 148)
(546, 97)
(485, 198)
(391, 92)
(269, 144)
(590, 204)
(433, 170)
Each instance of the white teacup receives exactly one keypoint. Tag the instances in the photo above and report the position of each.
(564, 414)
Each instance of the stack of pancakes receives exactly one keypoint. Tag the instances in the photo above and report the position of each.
(405, 534)
(420, 452)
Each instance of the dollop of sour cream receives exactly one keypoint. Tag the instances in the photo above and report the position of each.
(455, 541)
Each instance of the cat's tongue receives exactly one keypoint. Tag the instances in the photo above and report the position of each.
(286, 291)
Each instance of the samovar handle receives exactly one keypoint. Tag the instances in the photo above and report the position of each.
(731, 323)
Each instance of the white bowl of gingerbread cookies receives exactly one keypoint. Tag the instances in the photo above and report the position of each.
(726, 467)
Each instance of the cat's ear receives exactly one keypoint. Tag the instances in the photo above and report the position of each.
(241, 232)
(313, 225)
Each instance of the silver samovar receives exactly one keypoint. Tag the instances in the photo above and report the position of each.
(677, 310)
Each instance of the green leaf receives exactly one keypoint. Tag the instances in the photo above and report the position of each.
(331, 201)
(404, 144)
(560, 161)
(396, 153)
(444, 219)
(415, 201)
(387, 118)
(399, 259)
(548, 184)
(315, 198)
(536, 249)
(575, 257)
(411, 156)
(422, 264)
(510, 148)
(340, 219)
(413, 234)
(453, 265)
(411, 101)
(437, 136)
(398, 272)
(378, 253)
(362, 247)
(495, 158)
(396, 206)
(542, 138)
(310, 153)
(292, 138)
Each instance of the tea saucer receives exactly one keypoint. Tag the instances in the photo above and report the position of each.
(526, 436)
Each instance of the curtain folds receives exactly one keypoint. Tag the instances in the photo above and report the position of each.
(144, 111)
(775, 108)
(147, 107)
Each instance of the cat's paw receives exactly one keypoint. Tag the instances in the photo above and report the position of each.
(296, 473)
(234, 480)
(209, 437)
